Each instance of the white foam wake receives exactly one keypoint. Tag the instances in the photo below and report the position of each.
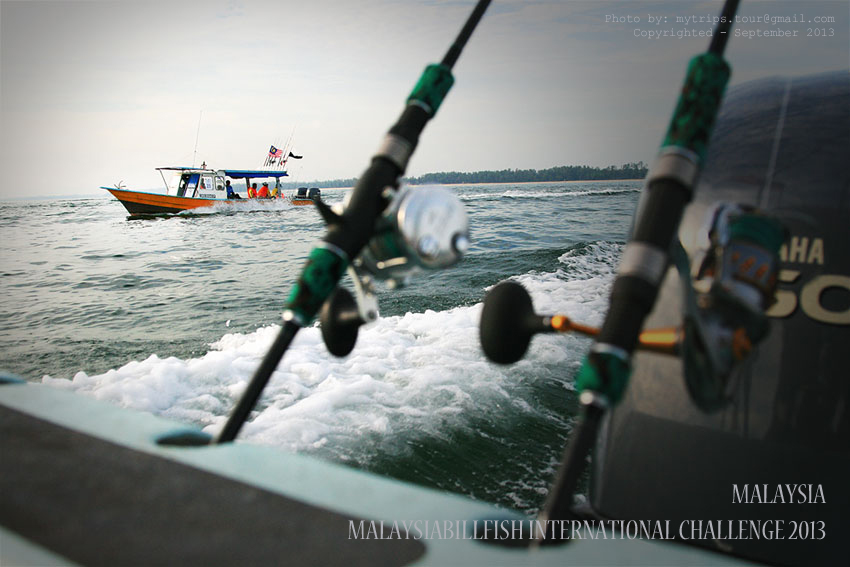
(521, 194)
(421, 374)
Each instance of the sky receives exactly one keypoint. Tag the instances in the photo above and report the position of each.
(100, 92)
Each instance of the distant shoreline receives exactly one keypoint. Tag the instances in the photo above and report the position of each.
(559, 174)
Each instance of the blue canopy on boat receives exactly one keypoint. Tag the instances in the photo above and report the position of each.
(234, 173)
(250, 173)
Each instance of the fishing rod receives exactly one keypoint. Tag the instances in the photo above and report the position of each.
(724, 304)
(606, 369)
(377, 211)
(287, 148)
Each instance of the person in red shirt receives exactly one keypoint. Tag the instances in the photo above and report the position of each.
(252, 191)
(264, 191)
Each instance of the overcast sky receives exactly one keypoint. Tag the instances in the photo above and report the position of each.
(92, 93)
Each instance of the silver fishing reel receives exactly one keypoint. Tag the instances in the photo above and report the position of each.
(422, 228)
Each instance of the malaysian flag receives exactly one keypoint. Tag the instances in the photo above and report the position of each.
(274, 152)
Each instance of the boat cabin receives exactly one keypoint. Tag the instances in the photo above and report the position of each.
(201, 183)
(198, 184)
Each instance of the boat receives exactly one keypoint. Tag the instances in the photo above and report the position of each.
(305, 196)
(192, 188)
(762, 480)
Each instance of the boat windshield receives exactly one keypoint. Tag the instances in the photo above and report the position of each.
(188, 184)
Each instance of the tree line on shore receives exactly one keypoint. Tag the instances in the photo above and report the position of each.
(561, 173)
(635, 170)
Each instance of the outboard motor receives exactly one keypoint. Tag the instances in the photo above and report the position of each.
(757, 465)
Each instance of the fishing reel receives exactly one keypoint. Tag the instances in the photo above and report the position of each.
(726, 299)
(724, 309)
(420, 229)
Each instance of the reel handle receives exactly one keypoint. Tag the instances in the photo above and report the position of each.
(340, 321)
(508, 322)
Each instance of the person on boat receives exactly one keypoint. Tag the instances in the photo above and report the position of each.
(231, 194)
(252, 191)
(264, 191)
(276, 194)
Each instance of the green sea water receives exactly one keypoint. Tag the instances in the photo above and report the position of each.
(170, 315)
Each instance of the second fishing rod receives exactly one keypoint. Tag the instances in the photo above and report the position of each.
(508, 320)
(366, 216)
(605, 372)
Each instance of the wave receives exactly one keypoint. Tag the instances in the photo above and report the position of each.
(410, 376)
(240, 206)
(520, 194)
(544, 194)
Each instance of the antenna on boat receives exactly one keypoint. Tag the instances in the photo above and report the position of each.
(352, 228)
(197, 135)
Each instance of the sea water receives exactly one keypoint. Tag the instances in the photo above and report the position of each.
(171, 315)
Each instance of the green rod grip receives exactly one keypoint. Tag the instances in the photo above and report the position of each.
(318, 279)
(698, 104)
(432, 87)
(604, 373)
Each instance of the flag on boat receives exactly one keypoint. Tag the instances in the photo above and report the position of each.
(293, 156)
(274, 152)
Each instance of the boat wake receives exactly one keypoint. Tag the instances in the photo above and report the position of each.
(240, 206)
(519, 194)
(409, 377)
(559, 192)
